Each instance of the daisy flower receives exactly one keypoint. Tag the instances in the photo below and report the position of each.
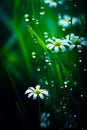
(57, 45)
(76, 41)
(36, 92)
(45, 120)
(51, 3)
(65, 21)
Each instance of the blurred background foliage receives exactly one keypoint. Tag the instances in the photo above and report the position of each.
(19, 68)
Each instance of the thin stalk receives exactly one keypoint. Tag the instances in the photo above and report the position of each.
(39, 108)
(16, 91)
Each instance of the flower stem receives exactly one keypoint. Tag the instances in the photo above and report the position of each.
(39, 108)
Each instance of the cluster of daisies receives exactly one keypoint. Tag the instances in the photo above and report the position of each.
(68, 44)
(52, 3)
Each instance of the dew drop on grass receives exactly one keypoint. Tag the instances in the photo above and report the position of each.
(79, 51)
(80, 59)
(26, 16)
(85, 69)
(63, 29)
(81, 95)
(46, 82)
(37, 21)
(45, 67)
(33, 18)
(33, 54)
(75, 83)
(45, 35)
(38, 69)
(42, 11)
(49, 63)
(74, 65)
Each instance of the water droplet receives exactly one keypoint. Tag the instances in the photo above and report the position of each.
(38, 69)
(81, 95)
(65, 86)
(45, 34)
(46, 82)
(53, 37)
(65, 82)
(64, 107)
(46, 60)
(61, 87)
(75, 5)
(41, 80)
(85, 69)
(49, 63)
(63, 29)
(75, 65)
(52, 83)
(80, 59)
(75, 83)
(26, 16)
(42, 11)
(70, 89)
(37, 21)
(33, 18)
(79, 51)
(74, 116)
(33, 54)
(45, 67)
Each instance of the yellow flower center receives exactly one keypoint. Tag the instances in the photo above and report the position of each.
(45, 119)
(57, 43)
(77, 42)
(37, 91)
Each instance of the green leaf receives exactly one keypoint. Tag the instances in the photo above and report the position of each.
(32, 32)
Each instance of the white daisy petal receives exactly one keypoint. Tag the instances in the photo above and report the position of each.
(79, 46)
(31, 88)
(41, 96)
(29, 95)
(71, 47)
(34, 96)
(45, 92)
(84, 42)
(49, 40)
(28, 91)
(50, 46)
(63, 48)
(56, 49)
(38, 87)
